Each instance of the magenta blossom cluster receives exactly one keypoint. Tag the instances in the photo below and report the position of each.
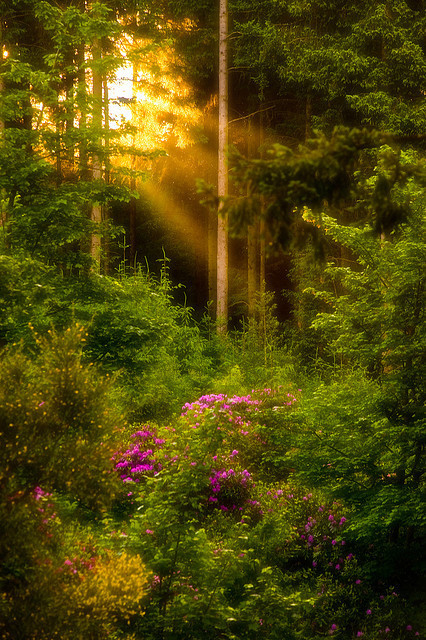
(237, 411)
(222, 405)
(230, 489)
(46, 508)
(139, 459)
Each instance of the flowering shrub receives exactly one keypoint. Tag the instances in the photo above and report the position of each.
(231, 490)
(233, 552)
(139, 461)
(238, 422)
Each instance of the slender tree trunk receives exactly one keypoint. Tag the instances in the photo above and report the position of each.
(222, 229)
(1, 68)
(3, 211)
(262, 242)
(105, 208)
(252, 274)
(81, 94)
(212, 261)
(211, 132)
(252, 245)
(308, 116)
(96, 212)
(132, 211)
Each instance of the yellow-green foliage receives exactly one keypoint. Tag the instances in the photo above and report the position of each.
(58, 432)
(113, 590)
(57, 427)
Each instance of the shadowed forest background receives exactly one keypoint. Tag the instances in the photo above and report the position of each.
(170, 470)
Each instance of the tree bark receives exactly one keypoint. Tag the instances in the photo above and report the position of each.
(97, 120)
(222, 228)
(252, 244)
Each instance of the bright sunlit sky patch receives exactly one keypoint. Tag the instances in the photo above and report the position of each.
(120, 95)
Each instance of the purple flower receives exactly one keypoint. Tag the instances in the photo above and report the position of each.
(368, 612)
(359, 634)
(333, 627)
(358, 581)
(409, 627)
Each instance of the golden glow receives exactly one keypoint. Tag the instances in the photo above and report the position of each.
(154, 98)
(149, 94)
(183, 224)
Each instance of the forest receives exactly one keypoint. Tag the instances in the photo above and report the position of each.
(212, 331)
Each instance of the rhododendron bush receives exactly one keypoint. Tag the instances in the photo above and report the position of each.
(234, 552)
(198, 528)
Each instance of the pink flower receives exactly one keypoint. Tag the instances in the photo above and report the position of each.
(368, 612)
(149, 532)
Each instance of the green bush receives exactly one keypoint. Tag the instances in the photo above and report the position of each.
(58, 431)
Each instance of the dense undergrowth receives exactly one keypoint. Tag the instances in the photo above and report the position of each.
(160, 483)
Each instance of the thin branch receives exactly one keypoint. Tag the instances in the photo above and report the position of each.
(251, 114)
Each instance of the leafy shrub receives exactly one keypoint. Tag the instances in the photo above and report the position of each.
(58, 433)
(242, 556)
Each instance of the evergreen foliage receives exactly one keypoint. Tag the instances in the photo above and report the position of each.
(157, 482)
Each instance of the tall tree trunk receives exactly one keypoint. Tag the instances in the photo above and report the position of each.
(308, 116)
(212, 261)
(222, 228)
(262, 241)
(105, 208)
(3, 211)
(211, 131)
(252, 244)
(96, 212)
(132, 204)
(1, 69)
